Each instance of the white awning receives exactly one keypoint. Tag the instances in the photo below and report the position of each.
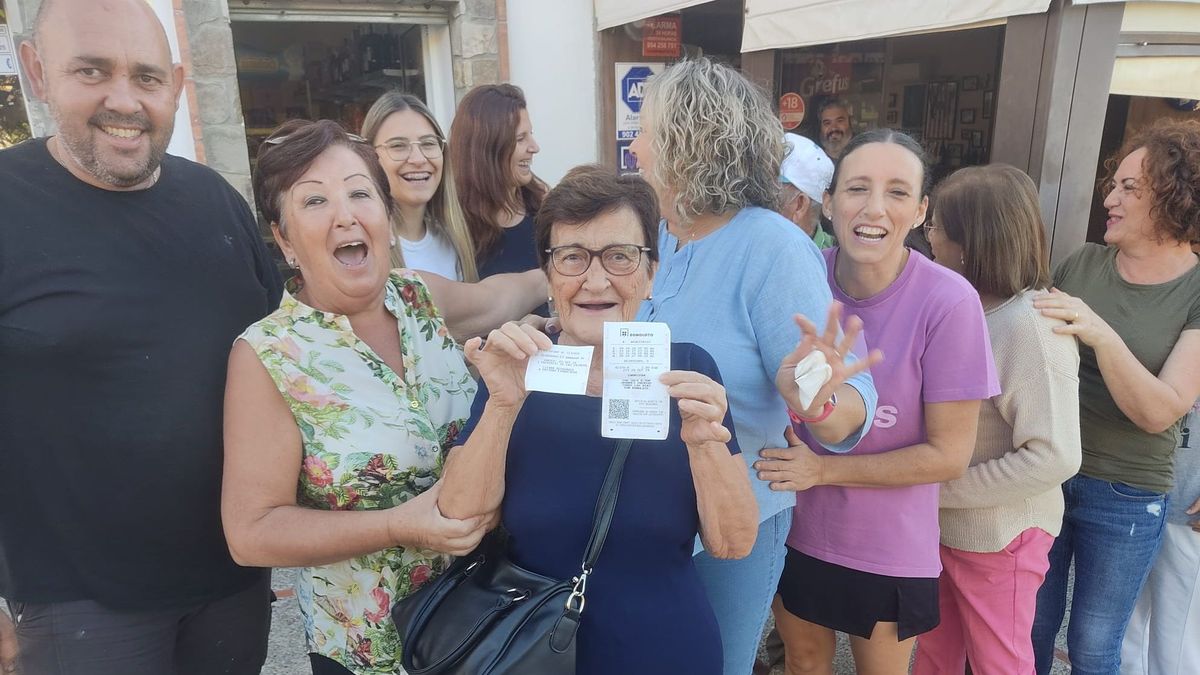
(611, 13)
(1159, 50)
(780, 24)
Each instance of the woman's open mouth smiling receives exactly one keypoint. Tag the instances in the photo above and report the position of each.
(351, 253)
(870, 233)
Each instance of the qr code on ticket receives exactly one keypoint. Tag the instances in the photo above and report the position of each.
(618, 409)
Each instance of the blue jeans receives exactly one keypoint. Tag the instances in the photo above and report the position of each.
(1113, 532)
(740, 591)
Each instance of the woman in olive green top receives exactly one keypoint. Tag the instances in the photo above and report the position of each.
(1135, 308)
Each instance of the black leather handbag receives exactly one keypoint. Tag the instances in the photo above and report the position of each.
(486, 616)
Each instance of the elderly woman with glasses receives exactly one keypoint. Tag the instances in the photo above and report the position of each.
(338, 406)
(540, 457)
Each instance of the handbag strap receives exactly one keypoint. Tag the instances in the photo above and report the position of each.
(606, 504)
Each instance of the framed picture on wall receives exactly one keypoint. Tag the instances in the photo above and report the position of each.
(977, 138)
(989, 97)
(970, 83)
(892, 100)
(941, 100)
(966, 115)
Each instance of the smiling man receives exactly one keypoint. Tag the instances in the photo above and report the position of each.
(835, 125)
(125, 275)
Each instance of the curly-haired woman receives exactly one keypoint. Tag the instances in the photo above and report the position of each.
(1135, 308)
(731, 276)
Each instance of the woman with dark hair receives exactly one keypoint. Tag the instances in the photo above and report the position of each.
(340, 404)
(736, 278)
(863, 549)
(1134, 306)
(540, 458)
(1000, 518)
(429, 223)
(492, 148)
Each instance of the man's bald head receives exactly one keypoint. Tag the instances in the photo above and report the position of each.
(104, 69)
(133, 10)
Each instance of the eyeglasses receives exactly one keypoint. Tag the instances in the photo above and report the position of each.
(616, 259)
(929, 227)
(400, 150)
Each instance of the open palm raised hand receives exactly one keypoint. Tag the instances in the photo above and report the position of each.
(835, 352)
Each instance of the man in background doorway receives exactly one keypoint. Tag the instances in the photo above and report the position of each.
(125, 276)
(805, 173)
(834, 118)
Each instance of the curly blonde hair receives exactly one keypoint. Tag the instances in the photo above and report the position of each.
(717, 140)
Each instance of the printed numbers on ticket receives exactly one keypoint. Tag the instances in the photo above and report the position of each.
(636, 404)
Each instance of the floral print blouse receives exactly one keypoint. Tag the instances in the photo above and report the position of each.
(371, 440)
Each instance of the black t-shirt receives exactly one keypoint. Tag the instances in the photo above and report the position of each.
(515, 252)
(117, 314)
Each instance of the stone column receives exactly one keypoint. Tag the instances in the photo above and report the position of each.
(213, 70)
(476, 30)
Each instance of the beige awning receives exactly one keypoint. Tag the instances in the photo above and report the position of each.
(1159, 50)
(779, 24)
(611, 13)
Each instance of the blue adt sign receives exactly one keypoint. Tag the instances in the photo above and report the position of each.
(632, 86)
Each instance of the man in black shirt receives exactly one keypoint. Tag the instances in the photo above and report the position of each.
(125, 275)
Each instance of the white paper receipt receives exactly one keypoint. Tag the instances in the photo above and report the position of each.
(636, 405)
(562, 369)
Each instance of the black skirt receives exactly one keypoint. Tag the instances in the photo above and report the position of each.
(853, 601)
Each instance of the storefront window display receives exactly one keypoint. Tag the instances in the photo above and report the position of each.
(321, 71)
(939, 88)
(14, 124)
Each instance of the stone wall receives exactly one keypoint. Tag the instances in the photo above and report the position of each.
(20, 22)
(477, 32)
(218, 105)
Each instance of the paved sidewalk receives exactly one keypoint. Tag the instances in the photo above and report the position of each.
(286, 654)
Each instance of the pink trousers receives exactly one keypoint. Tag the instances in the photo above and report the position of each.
(986, 602)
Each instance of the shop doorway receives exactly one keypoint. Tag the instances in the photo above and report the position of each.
(322, 70)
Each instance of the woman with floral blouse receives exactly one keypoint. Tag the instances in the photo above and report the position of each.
(355, 386)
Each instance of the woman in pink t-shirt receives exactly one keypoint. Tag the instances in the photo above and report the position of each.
(863, 550)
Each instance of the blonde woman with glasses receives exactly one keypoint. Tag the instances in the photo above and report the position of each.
(429, 223)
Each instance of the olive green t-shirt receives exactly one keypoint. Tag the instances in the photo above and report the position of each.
(1149, 318)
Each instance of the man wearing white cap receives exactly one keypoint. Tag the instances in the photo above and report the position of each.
(805, 173)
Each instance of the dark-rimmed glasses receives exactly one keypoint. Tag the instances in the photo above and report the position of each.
(400, 149)
(616, 259)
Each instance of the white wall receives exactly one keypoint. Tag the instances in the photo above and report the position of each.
(552, 56)
(183, 143)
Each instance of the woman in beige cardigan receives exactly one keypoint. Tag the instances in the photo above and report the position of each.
(1000, 518)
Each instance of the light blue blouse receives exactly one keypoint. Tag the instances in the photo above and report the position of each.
(734, 293)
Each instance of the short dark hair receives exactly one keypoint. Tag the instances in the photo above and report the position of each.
(992, 212)
(590, 191)
(292, 148)
(1172, 176)
(885, 136)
